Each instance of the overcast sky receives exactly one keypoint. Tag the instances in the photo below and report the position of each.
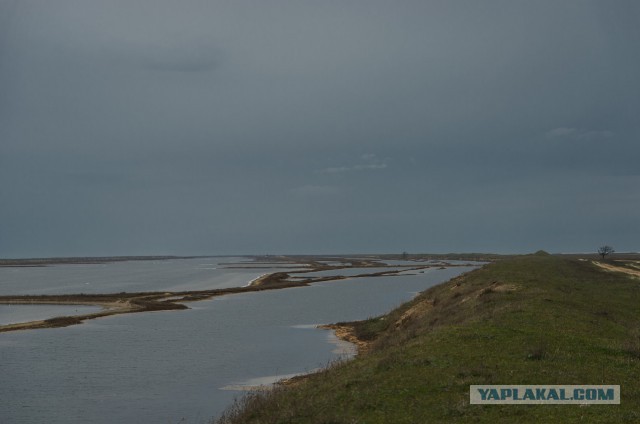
(325, 126)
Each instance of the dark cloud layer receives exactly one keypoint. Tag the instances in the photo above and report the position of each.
(196, 127)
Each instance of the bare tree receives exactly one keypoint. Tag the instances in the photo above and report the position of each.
(605, 250)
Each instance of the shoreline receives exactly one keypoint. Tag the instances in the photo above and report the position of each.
(136, 302)
(347, 333)
(477, 329)
(122, 303)
(42, 262)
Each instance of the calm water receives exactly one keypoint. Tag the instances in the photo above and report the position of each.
(129, 276)
(163, 367)
(346, 272)
(11, 314)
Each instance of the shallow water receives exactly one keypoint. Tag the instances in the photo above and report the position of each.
(161, 367)
(130, 276)
(346, 272)
(434, 262)
(11, 314)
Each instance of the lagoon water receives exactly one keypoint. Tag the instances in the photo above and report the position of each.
(11, 314)
(132, 276)
(345, 272)
(174, 366)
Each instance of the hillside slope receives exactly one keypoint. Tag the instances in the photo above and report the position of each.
(534, 319)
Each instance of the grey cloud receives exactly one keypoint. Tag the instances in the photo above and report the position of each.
(161, 126)
(181, 65)
(315, 190)
(369, 162)
(579, 134)
(182, 54)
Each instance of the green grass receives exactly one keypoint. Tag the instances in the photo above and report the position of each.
(534, 319)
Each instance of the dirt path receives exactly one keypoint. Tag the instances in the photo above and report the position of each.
(610, 267)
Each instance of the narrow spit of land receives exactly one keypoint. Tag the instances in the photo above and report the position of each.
(135, 302)
(535, 319)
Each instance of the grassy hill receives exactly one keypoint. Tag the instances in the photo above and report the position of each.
(535, 319)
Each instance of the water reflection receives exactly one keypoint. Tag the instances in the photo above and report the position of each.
(166, 366)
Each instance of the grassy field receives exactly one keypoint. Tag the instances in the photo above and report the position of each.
(535, 319)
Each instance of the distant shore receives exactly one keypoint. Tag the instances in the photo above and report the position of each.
(123, 303)
(29, 262)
